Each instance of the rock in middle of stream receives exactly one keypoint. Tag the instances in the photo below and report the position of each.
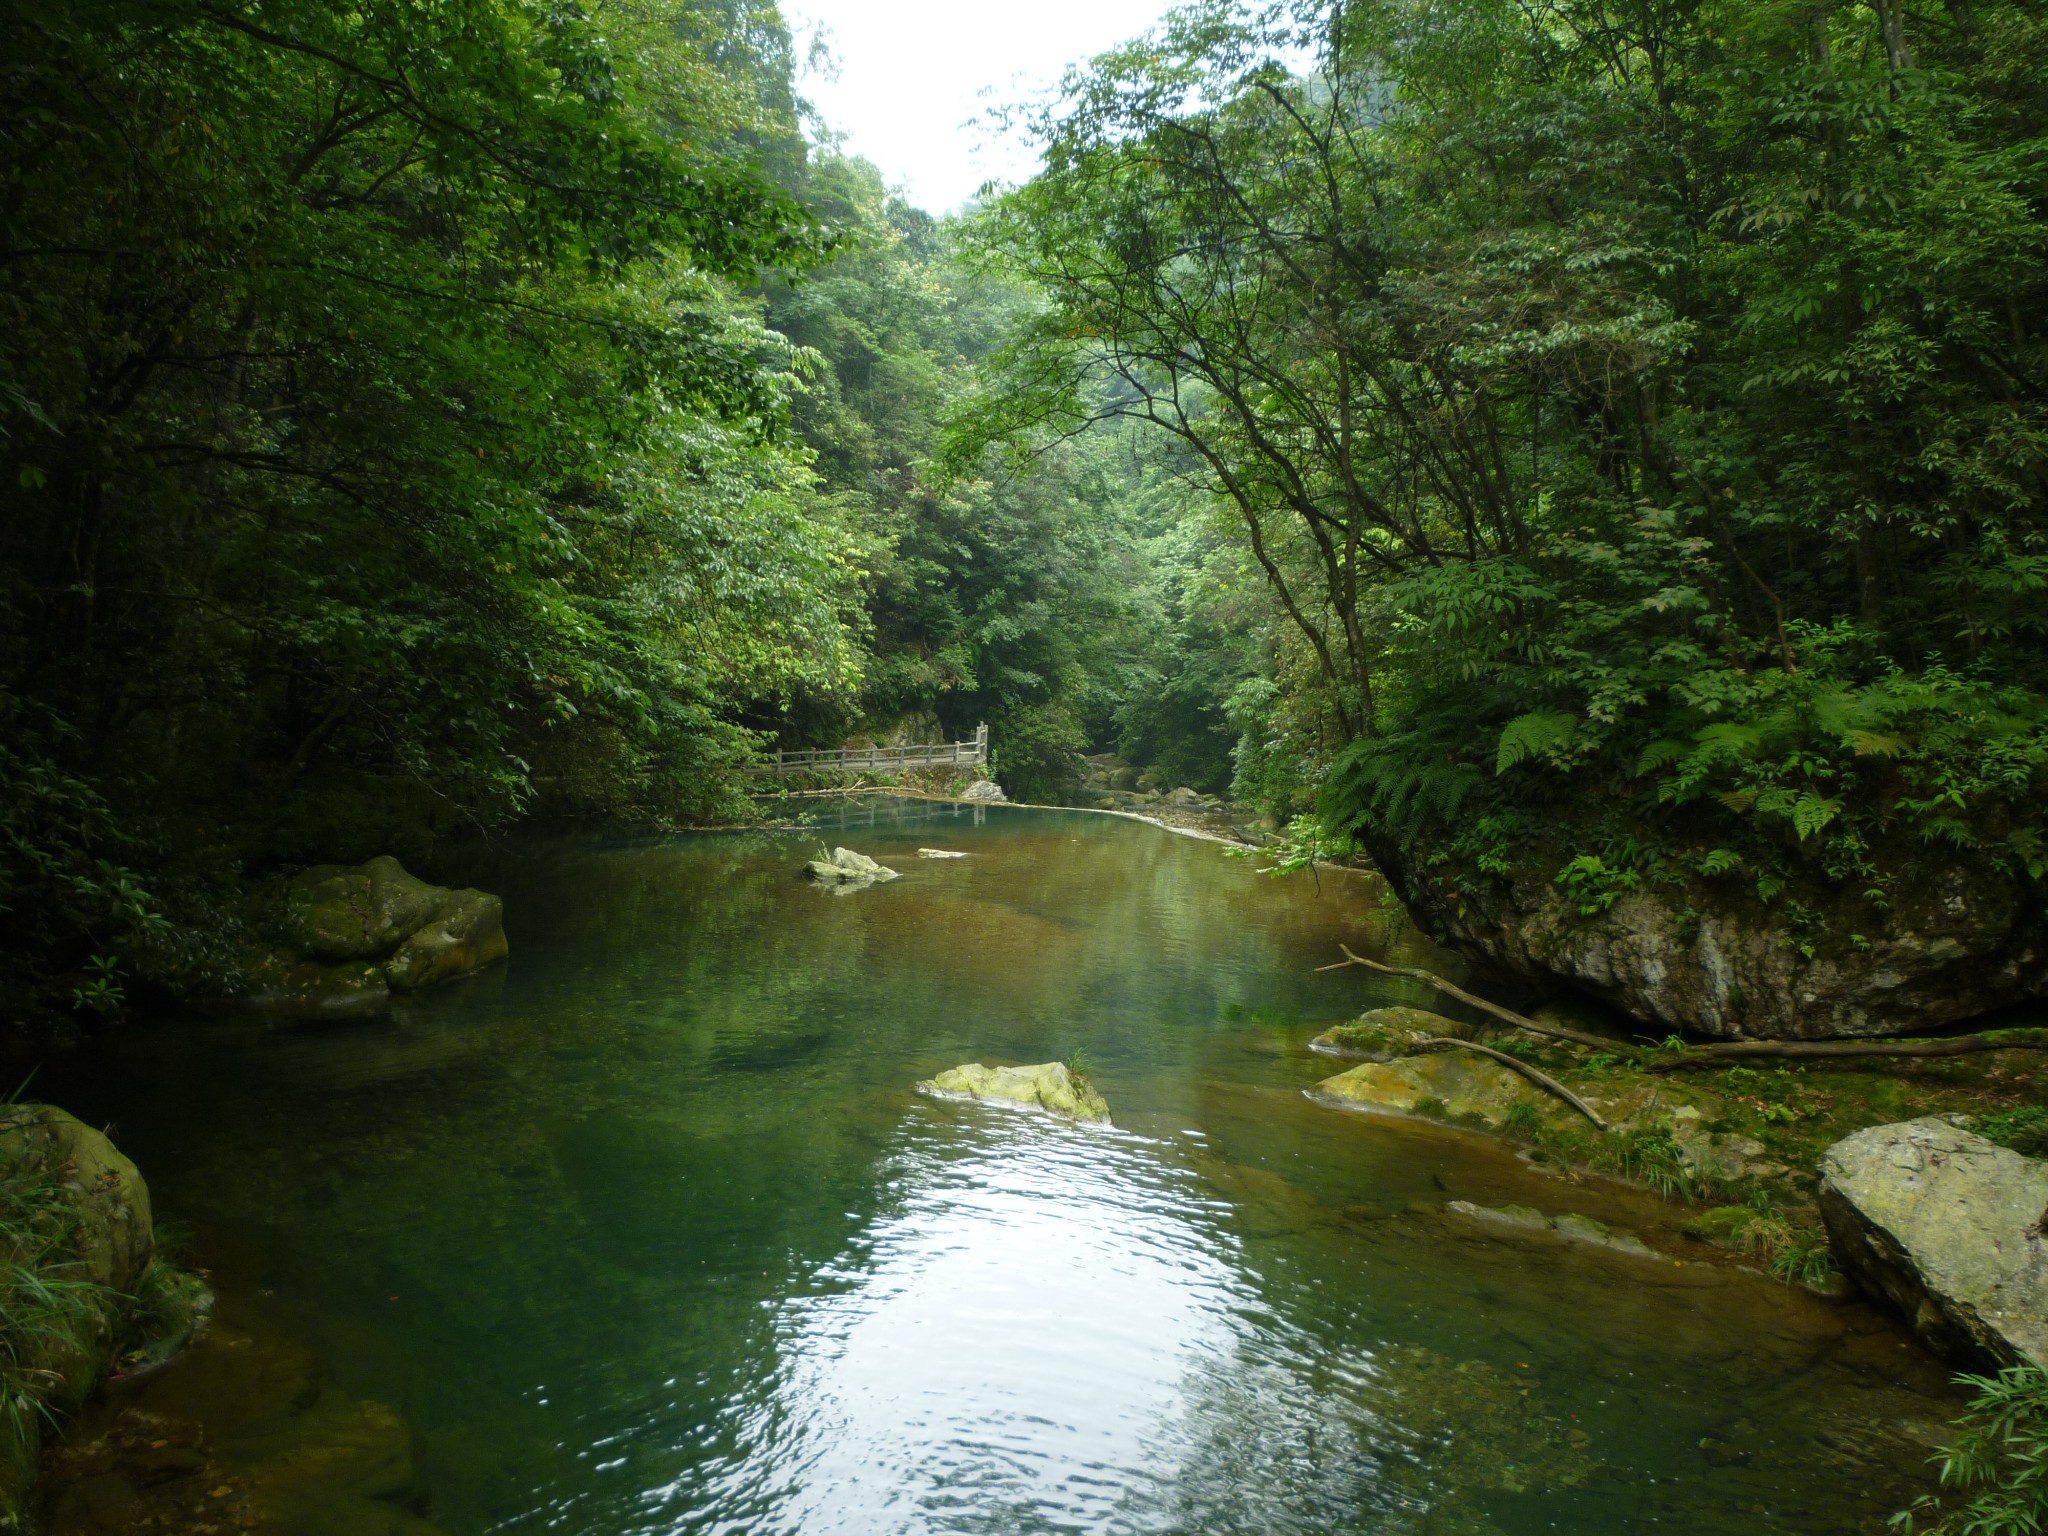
(845, 867)
(1050, 1086)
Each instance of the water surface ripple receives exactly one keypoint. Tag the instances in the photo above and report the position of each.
(649, 1232)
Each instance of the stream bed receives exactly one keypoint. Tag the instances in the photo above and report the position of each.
(648, 1230)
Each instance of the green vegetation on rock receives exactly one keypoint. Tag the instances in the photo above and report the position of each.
(1052, 1086)
(81, 1286)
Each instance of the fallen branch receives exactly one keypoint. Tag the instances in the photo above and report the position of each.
(1542, 1080)
(1654, 1060)
(1449, 989)
(1808, 1050)
(860, 788)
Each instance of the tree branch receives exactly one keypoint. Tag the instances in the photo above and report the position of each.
(1542, 1080)
(1505, 1015)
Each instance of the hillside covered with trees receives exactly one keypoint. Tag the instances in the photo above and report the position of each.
(1587, 455)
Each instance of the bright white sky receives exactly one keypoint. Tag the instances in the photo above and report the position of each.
(913, 72)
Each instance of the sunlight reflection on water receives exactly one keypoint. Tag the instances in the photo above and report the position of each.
(1051, 1334)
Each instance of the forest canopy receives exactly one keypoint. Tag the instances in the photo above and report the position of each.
(1603, 435)
(1637, 410)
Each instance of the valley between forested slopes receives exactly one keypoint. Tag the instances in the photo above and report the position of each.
(1589, 457)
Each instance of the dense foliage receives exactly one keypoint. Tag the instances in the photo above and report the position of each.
(998, 593)
(385, 436)
(1637, 410)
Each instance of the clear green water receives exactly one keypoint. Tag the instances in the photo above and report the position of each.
(648, 1231)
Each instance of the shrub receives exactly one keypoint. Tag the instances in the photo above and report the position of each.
(2000, 1457)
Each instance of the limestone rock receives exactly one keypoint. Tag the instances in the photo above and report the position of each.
(1947, 1227)
(1050, 1086)
(845, 867)
(351, 936)
(1705, 957)
(1384, 1034)
(938, 853)
(985, 791)
(1461, 1085)
(1576, 1228)
(333, 912)
(113, 1239)
(1521, 1218)
(1719, 1155)
(465, 935)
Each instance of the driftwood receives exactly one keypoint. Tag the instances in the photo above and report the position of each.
(1542, 1080)
(1823, 1050)
(1449, 989)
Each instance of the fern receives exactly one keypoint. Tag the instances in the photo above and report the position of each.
(1391, 785)
(1537, 734)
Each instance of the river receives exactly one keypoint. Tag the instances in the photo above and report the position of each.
(648, 1231)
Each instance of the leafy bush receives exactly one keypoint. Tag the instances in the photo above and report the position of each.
(1999, 1459)
(1035, 754)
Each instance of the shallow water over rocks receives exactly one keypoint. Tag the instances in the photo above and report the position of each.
(649, 1231)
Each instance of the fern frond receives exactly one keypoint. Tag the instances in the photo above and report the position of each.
(1532, 735)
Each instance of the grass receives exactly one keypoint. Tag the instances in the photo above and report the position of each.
(2024, 1129)
(54, 1325)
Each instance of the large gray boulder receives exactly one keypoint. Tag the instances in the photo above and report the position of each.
(1947, 1227)
(1706, 957)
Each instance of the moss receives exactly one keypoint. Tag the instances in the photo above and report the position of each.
(73, 1229)
(1721, 1225)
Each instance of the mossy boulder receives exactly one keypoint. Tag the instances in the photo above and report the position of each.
(848, 868)
(1384, 1034)
(1723, 1226)
(350, 936)
(110, 1236)
(76, 1243)
(1051, 1086)
(1452, 1085)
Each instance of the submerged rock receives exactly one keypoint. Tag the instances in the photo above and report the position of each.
(1386, 1034)
(1470, 1428)
(1947, 1227)
(939, 853)
(1050, 1086)
(845, 867)
(351, 936)
(1571, 1226)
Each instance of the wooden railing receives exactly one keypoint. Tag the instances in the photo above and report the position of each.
(945, 754)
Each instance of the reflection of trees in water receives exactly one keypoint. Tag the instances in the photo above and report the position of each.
(599, 1178)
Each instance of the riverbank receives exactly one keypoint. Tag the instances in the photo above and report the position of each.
(1743, 1141)
(580, 1220)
